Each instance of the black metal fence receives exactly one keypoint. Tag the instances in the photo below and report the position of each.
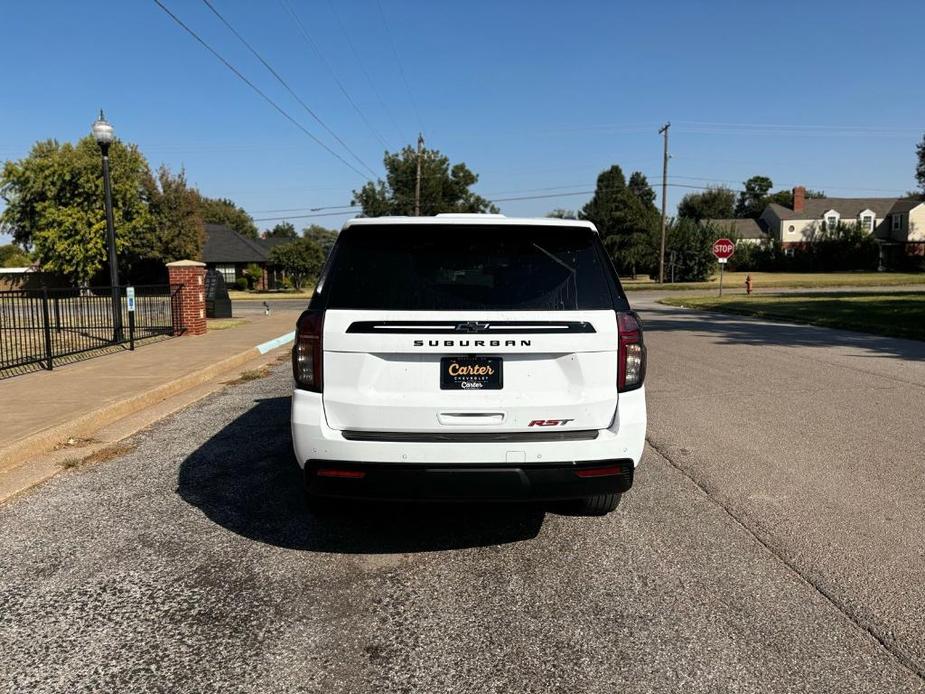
(38, 326)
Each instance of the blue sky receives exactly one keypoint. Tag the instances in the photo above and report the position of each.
(536, 97)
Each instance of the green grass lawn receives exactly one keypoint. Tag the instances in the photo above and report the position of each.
(895, 314)
(236, 295)
(225, 323)
(789, 280)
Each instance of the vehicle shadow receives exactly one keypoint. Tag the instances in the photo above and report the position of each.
(734, 329)
(245, 479)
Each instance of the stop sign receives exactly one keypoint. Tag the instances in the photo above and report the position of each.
(723, 248)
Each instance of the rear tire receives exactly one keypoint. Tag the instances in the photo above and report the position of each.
(599, 505)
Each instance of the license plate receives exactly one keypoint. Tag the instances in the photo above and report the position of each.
(470, 373)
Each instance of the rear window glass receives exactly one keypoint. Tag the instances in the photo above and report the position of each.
(447, 268)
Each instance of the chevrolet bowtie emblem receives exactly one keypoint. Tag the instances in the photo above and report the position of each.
(471, 327)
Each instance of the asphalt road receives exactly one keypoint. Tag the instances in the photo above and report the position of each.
(241, 308)
(773, 543)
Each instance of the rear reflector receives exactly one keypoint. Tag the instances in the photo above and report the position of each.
(345, 474)
(607, 471)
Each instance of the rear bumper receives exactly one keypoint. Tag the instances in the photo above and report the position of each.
(313, 439)
(467, 482)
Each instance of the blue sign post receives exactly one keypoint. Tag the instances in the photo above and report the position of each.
(130, 304)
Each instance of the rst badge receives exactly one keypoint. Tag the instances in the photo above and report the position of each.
(549, 422)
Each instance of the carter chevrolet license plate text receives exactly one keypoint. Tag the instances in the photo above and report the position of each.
(470, 373)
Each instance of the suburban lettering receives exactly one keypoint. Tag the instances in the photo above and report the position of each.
(473, 343)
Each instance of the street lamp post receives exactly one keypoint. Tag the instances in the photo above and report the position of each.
(102, 132)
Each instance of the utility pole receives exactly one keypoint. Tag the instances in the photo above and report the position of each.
(417, 187)
(661, 258)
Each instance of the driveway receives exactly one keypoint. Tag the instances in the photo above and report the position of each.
(772, 543)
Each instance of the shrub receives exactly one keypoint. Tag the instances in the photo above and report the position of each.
(688, 248)
(253, 274)
(241, 284)
(847, 247)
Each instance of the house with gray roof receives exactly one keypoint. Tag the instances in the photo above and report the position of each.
(229, 253)
(893, 221)
(744, 230)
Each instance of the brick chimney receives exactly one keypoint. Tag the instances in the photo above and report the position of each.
(799, 199)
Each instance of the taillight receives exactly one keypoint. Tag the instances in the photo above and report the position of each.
(631, 367)
(307, 351)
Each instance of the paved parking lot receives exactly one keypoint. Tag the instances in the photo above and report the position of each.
(773, 543)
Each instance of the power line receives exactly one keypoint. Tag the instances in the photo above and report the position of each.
(517, 198)
(286, 85)
(792, 126)
(311, 42)
(369, 79)
(401, 69)
(546, 196)
(302, 216)
(258, 90)
(309, 209)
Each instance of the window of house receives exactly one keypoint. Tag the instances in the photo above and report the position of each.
(831, 222)
(788, 252)
(867, 222)
(897, 222)
(791, 228)
(227, 273)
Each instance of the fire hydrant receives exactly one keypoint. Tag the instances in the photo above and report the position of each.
(748, 283)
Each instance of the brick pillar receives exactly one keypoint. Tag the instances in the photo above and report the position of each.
(191, 319)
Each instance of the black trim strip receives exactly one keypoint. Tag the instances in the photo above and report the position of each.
(452, 327)
(471, 437)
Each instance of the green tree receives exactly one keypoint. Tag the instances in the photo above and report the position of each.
(224, 211)
(283, 230)
(689, 244)
(560, 213)
(300, 260)
(920, 165)
(714, 203)
(785, 197)
(639, 186)
(12, 255)
(444, 188)
(624, 217)
(606, 208)
(325, 238)
(753, 199)
(54, 204)
(177, 232)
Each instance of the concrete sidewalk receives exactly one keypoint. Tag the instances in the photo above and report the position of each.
(38, 411)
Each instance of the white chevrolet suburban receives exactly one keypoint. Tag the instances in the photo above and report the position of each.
(473, 357)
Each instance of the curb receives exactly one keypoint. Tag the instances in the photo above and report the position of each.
(44, 441)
